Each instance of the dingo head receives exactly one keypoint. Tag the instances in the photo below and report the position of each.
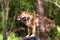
(23, 16)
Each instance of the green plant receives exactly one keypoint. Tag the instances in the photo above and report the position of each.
(12, 37)
(1, 38)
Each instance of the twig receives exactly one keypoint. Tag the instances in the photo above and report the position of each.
(54, 3)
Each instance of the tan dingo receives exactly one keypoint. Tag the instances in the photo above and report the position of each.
(32, 21)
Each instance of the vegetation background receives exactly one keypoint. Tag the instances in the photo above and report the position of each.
(51, 10)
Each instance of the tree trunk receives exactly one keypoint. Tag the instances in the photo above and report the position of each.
(40, 11)
(5, 10)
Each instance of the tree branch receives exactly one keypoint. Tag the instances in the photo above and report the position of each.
(54, 3)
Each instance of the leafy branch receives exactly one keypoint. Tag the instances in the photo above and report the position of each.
(54, 3)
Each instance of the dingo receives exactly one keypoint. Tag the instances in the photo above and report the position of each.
(32, 21)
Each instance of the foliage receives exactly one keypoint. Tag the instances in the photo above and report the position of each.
(1, 37)
(10, 37)
(0, 22)
(58, 31)
(28, 5)
(51, 11)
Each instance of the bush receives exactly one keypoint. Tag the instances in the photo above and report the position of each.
(1, 38)
(12, 37)
(9, 37)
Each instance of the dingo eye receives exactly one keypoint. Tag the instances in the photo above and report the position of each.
(23, 17)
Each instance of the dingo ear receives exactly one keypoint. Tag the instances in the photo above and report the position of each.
(23, 11)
